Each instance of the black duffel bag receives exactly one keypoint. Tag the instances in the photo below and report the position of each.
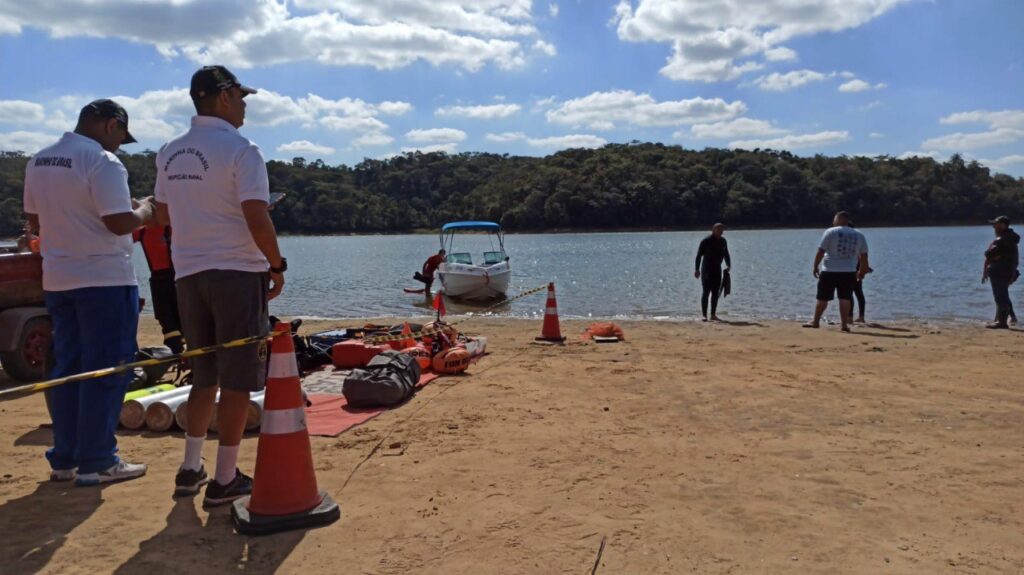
(389, 379)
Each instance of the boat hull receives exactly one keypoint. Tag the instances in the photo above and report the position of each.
(475, 282)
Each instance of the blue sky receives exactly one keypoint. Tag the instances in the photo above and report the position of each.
(345, 80)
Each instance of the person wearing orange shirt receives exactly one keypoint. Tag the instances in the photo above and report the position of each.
(156, 244)
(429, 267)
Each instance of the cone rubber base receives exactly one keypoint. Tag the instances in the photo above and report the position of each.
(551, 339)
(249, 523)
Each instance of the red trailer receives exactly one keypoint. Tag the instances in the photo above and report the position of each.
(25, 328)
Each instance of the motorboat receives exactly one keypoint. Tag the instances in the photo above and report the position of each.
(461, 277)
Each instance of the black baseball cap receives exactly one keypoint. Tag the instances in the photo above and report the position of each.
(214, 79)
(1000, 220)
(105, 108)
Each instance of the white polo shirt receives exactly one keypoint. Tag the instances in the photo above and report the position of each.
(71, 185)
(203, 176)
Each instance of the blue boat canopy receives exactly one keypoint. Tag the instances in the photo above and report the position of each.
(488, 226)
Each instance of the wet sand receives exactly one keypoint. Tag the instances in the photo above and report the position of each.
(689, 448)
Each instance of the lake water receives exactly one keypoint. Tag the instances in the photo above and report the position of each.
(920, 273)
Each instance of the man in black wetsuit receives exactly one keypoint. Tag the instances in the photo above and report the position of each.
(712, 251)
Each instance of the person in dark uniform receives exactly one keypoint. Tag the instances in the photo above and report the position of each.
(1001, 261)
(156, 244)
(712, 252)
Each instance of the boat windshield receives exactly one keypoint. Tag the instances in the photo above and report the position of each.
(467, 237)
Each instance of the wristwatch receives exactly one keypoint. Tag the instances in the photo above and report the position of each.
(283, 267)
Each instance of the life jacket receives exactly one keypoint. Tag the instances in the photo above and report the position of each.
(156, 246)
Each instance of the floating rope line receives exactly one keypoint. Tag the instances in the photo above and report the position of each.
(434, 331)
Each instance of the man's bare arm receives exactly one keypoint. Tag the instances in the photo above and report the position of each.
(261, 227)
(817, 260)
(127, 222)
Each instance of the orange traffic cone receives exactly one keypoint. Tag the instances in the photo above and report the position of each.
(407, 330)
(550, 331)
(284, 494)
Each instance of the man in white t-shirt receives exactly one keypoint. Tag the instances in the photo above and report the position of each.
(843, 260)
(212, 187)
(77, 200)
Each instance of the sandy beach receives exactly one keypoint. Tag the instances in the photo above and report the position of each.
(689, 448)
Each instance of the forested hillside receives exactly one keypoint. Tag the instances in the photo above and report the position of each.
(618, 186)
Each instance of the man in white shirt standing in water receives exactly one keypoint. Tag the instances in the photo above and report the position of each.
(841, 249)
(212, 187)
(77, 199)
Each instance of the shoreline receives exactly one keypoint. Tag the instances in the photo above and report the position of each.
(831, 315)
(646, 230)
(706, 448)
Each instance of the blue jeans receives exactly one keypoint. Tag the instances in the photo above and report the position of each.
(93, 328)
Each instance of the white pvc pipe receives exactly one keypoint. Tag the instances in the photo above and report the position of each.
(181, 413)
(160, 415)
(133, 411)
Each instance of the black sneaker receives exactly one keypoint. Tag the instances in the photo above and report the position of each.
(217, 494)
(188, 481)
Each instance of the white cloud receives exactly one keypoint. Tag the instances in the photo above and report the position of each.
(1005, 127)
(876, 135)
(858, 85)
(448, 148)
(780, 54)
(21, 112)
(436, 135)
(794, 141)
(711, 38)
(960, 141)
(268, 108)
(1000, 119)
(490, 112)
(156, 116)
(606, 110)
(777, 82)
(506, 137)
(353, 124)
(551, 142)
(545, 47)
(372, 139)
(483, 17)
(568, 141)
(305, 147)
(394, 108)
(920, 154)
(1004, 163)
(28, 142)
(738, 128)
(384, 34)
(553, 10)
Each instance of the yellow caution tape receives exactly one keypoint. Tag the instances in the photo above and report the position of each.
(433, 331)
(43, 385)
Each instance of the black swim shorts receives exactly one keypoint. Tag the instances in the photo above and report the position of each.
(829, 283)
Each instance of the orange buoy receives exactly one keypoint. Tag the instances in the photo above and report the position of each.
(455, 360)
(421, 353)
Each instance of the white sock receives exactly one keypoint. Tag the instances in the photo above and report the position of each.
(193, 453)
(227, 462)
